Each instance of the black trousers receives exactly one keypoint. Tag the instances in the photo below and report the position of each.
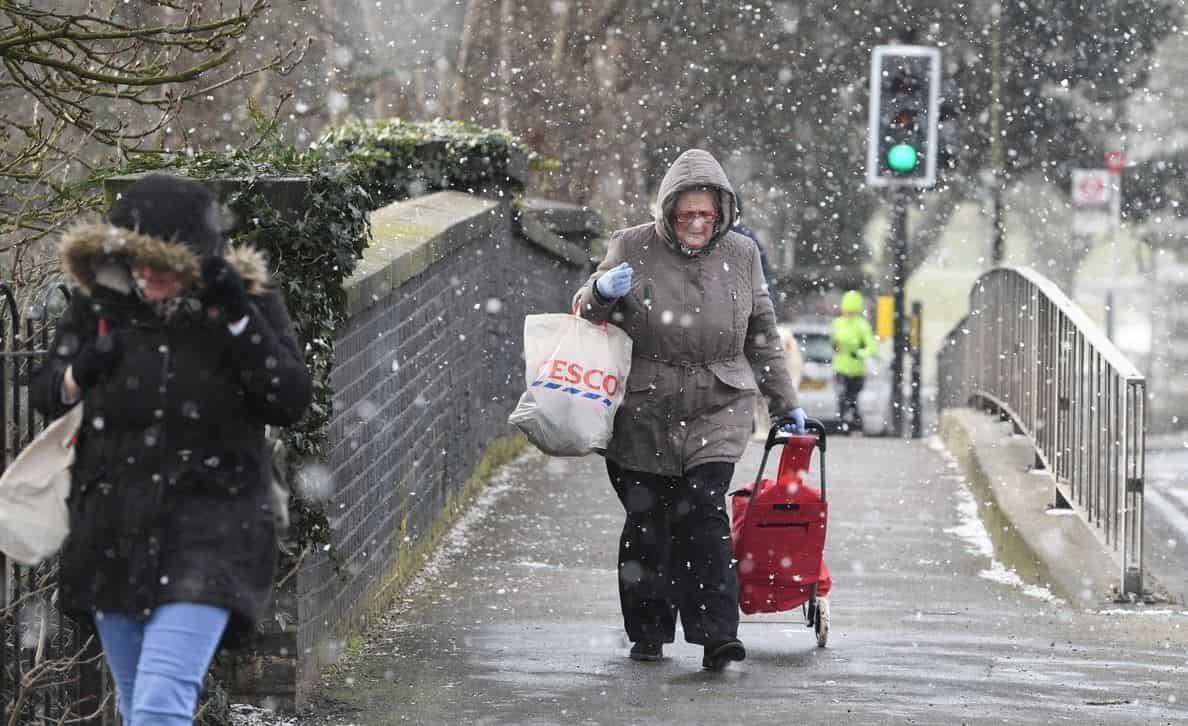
(675, 555)
(849, 388)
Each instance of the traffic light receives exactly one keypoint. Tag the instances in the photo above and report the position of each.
(904, 98)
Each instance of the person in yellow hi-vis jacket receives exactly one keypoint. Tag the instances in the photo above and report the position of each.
(853, 343)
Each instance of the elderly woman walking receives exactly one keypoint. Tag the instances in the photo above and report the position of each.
(180, 353)
(691, 294)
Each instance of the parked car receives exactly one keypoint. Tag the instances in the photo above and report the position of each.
(818, 393)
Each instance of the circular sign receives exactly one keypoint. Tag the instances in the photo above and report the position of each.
(1115, 161)
(1091, 187)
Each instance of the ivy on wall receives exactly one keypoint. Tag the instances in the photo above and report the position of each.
(352, 170)
(397, 159)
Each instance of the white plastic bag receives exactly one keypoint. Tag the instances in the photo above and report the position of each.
(576, 373)
(33, 490)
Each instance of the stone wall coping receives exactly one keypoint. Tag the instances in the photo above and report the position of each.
(564, 218)
(409, 236)
(537, 231)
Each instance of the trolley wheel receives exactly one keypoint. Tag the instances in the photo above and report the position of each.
(821, 624)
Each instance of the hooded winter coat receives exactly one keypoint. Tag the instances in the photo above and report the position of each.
(853, 340)
(703, 331)
(169, 498)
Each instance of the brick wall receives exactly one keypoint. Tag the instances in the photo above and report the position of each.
(426, 373)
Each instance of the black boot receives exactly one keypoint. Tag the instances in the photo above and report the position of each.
(647, 650)
(717, 655)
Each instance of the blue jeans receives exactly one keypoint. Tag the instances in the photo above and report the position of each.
(159, 663)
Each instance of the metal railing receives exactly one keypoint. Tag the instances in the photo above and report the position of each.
(51, 668)
(1028, 352)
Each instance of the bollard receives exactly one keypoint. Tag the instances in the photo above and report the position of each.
(917, 374)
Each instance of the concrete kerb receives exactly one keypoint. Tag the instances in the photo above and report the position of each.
(1053, 548)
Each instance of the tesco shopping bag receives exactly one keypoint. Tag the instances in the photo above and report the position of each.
(575, 371)
(33, 490)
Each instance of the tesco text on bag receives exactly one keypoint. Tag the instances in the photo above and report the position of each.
(596, 384)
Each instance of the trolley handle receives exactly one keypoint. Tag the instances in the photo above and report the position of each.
(777, 437)
(811, 426)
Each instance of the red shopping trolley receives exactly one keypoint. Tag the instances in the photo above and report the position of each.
(778, 529)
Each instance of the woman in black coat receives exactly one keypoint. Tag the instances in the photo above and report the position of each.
(180, 354)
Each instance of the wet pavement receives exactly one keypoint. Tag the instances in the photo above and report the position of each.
(1166, 514)
(516, 621)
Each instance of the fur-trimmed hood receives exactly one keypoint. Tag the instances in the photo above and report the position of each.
(86, 246)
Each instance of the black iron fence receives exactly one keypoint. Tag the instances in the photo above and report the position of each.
(51, 668)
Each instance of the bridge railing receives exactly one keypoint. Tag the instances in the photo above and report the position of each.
(1029, 353)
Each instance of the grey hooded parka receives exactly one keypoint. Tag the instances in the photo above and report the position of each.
(703, 331)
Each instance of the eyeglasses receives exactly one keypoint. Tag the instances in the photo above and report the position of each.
(688, 217)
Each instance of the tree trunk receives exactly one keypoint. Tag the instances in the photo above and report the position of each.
(506, 90)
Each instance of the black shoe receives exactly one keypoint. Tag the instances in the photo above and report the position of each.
(647, 650)
(717, 655)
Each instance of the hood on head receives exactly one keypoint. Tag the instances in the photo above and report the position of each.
(852, 302)
(99, 253)
(693, 169)
(174, 209)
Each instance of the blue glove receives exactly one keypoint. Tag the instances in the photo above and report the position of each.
(796, 426)
(615, 282)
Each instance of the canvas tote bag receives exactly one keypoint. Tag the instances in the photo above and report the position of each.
(33, 490)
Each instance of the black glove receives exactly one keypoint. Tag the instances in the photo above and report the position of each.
(95, 360)
(225, 296)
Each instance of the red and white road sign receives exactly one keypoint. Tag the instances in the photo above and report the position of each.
(1115, 161)
(1092, 187)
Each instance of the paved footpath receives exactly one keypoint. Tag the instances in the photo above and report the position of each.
(517, 622)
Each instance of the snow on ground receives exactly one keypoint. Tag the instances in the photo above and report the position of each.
(1140, 611)
(973, 532)
(243, 714)
(977, 540)
(453, 544)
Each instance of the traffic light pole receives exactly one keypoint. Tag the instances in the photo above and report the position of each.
(997, 227)
(917, 372)
(899, 239)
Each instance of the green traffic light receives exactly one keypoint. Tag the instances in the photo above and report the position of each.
(902, 158)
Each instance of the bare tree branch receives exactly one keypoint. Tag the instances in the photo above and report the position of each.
(101, 85)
